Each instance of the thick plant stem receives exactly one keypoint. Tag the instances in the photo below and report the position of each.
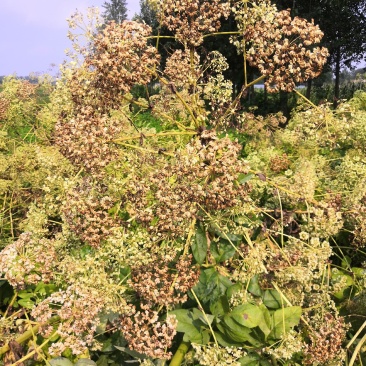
(179, 354)
(28, 334)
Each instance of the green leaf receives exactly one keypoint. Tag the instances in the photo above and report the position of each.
(222, 250)
(254, 287)
(85, 362)
(199, 246)
(237, 332)
(26, 303)
(226, 341)
(132, 353)
(190, 323)
(232, 290)
(284, 319)
(245, 178)
(211, 285)
(220, 307)
(252, 316)
(60, 361)
(272, 299)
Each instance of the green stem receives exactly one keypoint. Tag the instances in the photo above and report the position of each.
(179, 354)
(28, 334)
(308, 101)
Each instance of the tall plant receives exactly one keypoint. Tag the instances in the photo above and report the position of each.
(170, 245)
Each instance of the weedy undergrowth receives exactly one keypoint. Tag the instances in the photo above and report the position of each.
(124, 242)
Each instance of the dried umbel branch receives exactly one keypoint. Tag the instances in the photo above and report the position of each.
(146, 334)
(160, 283)
(326, 342)
(4, 105)
(86, 140)
(204, 174)
(28, 261)
(86, 213)
(191, 19)
(121, 59)
(280, 50)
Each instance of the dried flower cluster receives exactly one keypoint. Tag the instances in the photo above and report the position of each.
(4, 105)
(147, 335)
(86, 140)
(191, 19)
(280, 50)
(279, 163)
(28, 261)
(121, 59)
(181, 70)
(326, 342)
(78, 309)
(163, 284)
(86, 212)
(204, 175)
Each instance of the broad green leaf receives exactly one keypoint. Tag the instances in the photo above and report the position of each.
(254, 287)
(284, 319)
(253, 359)
(252, 316)
(220, 307)
(60, 361)
(199, 246)
(222, 250)
(85, 362)
(26, 303)
(237, 332)
(189, 323)
(226, 341)
(248, 315)
(272, 299)
(132, 353)
(211, 285)
(232, 290)
(243, 178)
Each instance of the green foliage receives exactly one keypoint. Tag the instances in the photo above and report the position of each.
(135, 226)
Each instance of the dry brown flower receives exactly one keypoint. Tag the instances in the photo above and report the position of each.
(279, 163)
(191, 19)
(86, 212)
(160, 283)
(146, 334)
(28, 261)
(86, 140)
(203, 175)
(4, 105)
(326, 342)
(280, 49)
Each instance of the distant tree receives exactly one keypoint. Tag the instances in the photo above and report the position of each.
(148, 15)
(115, 10)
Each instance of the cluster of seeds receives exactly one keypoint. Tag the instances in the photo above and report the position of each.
(326, 343)
(179, 69)
(191, 19)
(279, 163)
(78, 309)
(203, 177)
(4, 105)
(86, 140)
(280, 50)
(86, 213)
(28, 261)
(146, 334)
(163, 284)
(121, 59)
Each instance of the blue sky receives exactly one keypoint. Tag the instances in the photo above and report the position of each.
(34, 33)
